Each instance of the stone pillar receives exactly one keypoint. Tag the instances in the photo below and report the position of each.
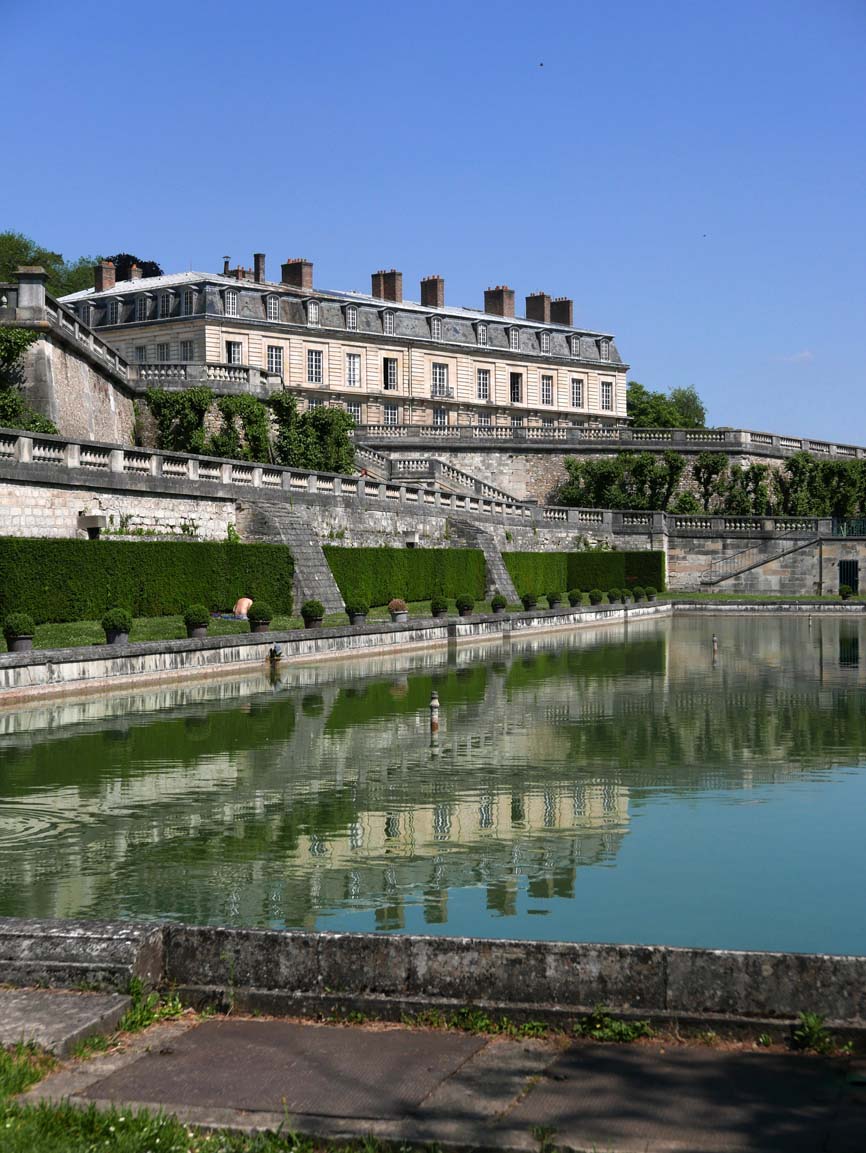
(24, 449)
(31, 290)
(115, 460)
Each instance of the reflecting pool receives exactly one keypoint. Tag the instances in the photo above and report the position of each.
(614, 785)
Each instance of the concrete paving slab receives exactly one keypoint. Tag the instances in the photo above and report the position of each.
(276, 1066)
(57, 1019)
(635, 1099)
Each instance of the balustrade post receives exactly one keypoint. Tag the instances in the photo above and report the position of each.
(192, 469)
(312, 483)
(257, 476)
(72, 455)
(286, 479)
(24, 449)
(115, 460)
(155, 464)
(225, 473)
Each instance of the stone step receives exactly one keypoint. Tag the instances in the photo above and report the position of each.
(57, 1020)
(498, 577)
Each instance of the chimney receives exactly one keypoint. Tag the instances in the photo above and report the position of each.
(103, 276)
(259, 265)
(562, 311)
(388, 285)
(433, 292)
(298, 273)
(226, 260)
(499, 300)
(538, 307)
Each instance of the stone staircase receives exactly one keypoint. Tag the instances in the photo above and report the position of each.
(755, 556)
(465, 533)
(314, 580)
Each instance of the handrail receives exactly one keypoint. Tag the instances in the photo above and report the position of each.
(738, 562)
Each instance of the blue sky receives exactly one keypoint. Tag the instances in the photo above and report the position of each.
(692, 173)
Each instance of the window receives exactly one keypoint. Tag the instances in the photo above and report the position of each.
(604, 349)
(436, 327)
(606, 395)
(482, 335)
(188, 302)
(353, 407)
(234, 352)
(514, 339)
(141, 308)
(141, 354)
(547, 422)
(517, 422)
(388, 323)
(516, 387)
(440, 417)
(112, 316)
(351, 318)
(484, 419)
(84, 314)
(163, 353)
(576, 392)
(392, 414)
(273, 307)
(389, 372)
(313, 313)
(353, 369)
(545, 342)
(547, 390)
(440, 380)
(316, 402)
(275, 359)
(575, 346)
(187, 350)
(231, 302)
(314, 366)
(483, 378)
(164, 305)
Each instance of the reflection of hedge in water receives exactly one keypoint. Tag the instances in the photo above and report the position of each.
(367, 702)
(615, 659)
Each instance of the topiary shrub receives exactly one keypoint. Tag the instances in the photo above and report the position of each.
(554, 599)
(575, 597)
(465, 604)
(313, 613)
(650, 593)
(196, 617)
(117, 623)
(614, 596)
(596, 596)
(439, 606)
(845, 592)
(260, 614)
(357, 610)
(638, 592)
(529, 601)
(498, 603)
(18, 625)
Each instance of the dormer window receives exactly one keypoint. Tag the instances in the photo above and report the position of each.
(313, 313)
(231, 302)
(165, 303)
(112, 314)
(188, 301)
(141, 308)
(514, 339)
(436, 327)
(481, 335)
(84, 314)
(351, 318)
(575, 346)
(604, 349)
(273, 307)
(545, 342)
(388, 323)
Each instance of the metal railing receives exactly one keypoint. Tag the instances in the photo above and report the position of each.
(798, 533)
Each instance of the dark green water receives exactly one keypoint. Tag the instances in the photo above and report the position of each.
(610, 786)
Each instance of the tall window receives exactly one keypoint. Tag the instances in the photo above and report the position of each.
(316, 402)
(163, 353)
(353, 407)
(314, 366)
(187, 351)
(273, 307)
(275, 359)
(313, 313)
(575, 346)
(113, 313)
(576, 392)
(234, 352)
(436, 327)
(604, 349)
(141, 354)
(517, 422)
(353, 369)
(389, 372)
(388, 323)
(547, 390)
(164, 305)
(440, 417)
(483, 379)
(484, 419)
(514, 339)
(188, 302)
(516, 381)
(547, 422)
(440, 380)
(351, 318)
(482, 335)
(606, 395)
(141, 308)
(231, 302)
(392, 414)
(85, 314)
(545, 342)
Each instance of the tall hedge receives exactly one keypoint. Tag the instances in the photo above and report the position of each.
(376, 575)
(542, 572)
(73, 580)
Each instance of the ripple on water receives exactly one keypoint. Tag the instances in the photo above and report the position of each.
(23, 825)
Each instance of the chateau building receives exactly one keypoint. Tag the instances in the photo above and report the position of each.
(387, 360)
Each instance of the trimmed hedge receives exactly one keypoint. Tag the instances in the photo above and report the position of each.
(376, 575)
(76, 580)
(536, 572)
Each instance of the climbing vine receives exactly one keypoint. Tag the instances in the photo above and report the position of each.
(250, 441)
(15, 412)
(180, 418)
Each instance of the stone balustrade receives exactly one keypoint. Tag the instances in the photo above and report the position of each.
(225, 377)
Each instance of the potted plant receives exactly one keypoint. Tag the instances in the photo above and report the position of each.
(498, 603)
(650, 593)
(465, 605)
(596, 596)
(313, 613)
(439, 607)
(845, 592)
(554, 600)
(638, 592)
(398, 610)
(117, 623)
(18, 629)
(575, 597)
(260, 615)
(614, 596)
(529, 601)
(357, 610)
(196, 618)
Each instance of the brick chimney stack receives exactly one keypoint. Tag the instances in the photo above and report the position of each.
(433, 292)
(104, 276)
(499, 300)
(538, 307)
(387, 284)
(259, 265)
(134, 272)
(226, 260)
(562, 311)
(298, 273)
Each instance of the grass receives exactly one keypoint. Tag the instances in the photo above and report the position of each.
(733, 597)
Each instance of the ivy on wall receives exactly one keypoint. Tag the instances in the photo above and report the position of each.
(15, 412)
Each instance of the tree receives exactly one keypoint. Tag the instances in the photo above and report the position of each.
(123, 261)
(708, 471)
(683, 408)
(15, 412)
(689, 406)
(628, 480)
(64, 276)
(317, 439)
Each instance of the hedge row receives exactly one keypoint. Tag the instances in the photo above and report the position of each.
(376, 575)
(74, 580)
(543, 572)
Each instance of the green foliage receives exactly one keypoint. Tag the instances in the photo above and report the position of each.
(498, 602)
(638, 592)
(575, 597)
(123, 262)
(196, 616)
(312, 611)
(554, 599)
(529, 601)
(15, 412)
(376, 575)
(686, 503)
(180, 418)
(812, 1034)
(596, 596)
(651, 591)
(465, 603)
(535, 572)
(117, 620)
(642, 480)
(250, 441)
(355, 606)
(260, 612)
(472, 1020)
(72, 580)
(147, 1008)
(614, 595)
(64, 276)
(845, 592)
(22, 1066)
(601, 1026)
(438, 605)
(709, 471)
(317, 439)
(19, 625)
(681, 408)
